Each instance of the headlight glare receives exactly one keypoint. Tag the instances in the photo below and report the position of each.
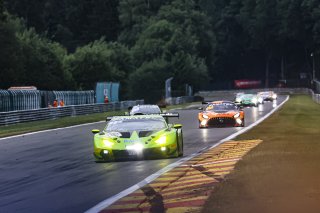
(205, 116)
(161, 140)
(254, 100)
(136, 147)
(107, 143)
(237, 115)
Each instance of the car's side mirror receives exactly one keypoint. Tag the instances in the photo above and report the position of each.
(177, 126)
(95, 131)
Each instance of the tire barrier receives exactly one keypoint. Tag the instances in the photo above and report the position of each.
(14, 117)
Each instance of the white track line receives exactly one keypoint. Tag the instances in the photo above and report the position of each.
(105, 203)
(49, 130)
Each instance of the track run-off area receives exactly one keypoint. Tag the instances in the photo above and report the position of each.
(54, 171)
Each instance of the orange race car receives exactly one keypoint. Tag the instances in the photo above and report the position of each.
(221, 113)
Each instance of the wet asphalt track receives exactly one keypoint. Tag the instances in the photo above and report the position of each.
(55, 171)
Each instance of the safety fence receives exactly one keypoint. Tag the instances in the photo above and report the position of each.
(75, 97)
(13, 100)
(19, 100)
(14, 117)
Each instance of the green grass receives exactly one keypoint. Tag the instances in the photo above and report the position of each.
(64, 122)
(281, 174)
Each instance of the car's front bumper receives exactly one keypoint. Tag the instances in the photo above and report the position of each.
(149, 153)
(221, 122)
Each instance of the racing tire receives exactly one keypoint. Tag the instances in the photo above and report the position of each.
(181, 148)
(242, 125)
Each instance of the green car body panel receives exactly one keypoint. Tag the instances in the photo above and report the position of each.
(247, 100)
(159, 143)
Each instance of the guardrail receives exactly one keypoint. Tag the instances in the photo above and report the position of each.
(315, 96)
(179, 100)
(14, 117)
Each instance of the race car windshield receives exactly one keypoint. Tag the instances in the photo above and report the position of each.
(248, 96)
(128, 125)
(221, 107)
(145, 110)
(264, 93)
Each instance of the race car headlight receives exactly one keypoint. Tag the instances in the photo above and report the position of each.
(205, 116)
(239, 121)
(237, 115)
(161, 140)
(107, 143)
(254, 100)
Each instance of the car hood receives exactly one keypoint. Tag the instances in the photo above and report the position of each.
(133, 134)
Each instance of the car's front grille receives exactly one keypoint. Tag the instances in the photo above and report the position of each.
(122, 154)
(221, 121)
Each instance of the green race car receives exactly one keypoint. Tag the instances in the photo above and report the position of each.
(138, 136)
(248, 100)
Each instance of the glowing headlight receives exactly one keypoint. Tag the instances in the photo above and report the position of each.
(239, 121)
(107, 143)
(205, 116)
(254, 100)
(203, 123)
(161, 140)
(236, 115)
(238, 99)
(136, 147)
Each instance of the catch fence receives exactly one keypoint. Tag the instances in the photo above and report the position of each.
(16, 100)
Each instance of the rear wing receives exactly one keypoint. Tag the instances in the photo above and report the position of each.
(165, 115)
(170, 115)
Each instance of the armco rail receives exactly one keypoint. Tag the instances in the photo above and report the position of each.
(14, 117)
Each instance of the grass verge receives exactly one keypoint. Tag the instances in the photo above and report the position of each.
(281, 174)
(64, 122)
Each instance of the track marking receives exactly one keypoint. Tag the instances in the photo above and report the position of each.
(49, 130)
(106, 203)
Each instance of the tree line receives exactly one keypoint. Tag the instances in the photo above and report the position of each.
(71, 44)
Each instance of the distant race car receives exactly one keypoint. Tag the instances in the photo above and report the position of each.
(138, 136)
(268, 95)
(146, 109)
(221, 113)
(248, 100)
